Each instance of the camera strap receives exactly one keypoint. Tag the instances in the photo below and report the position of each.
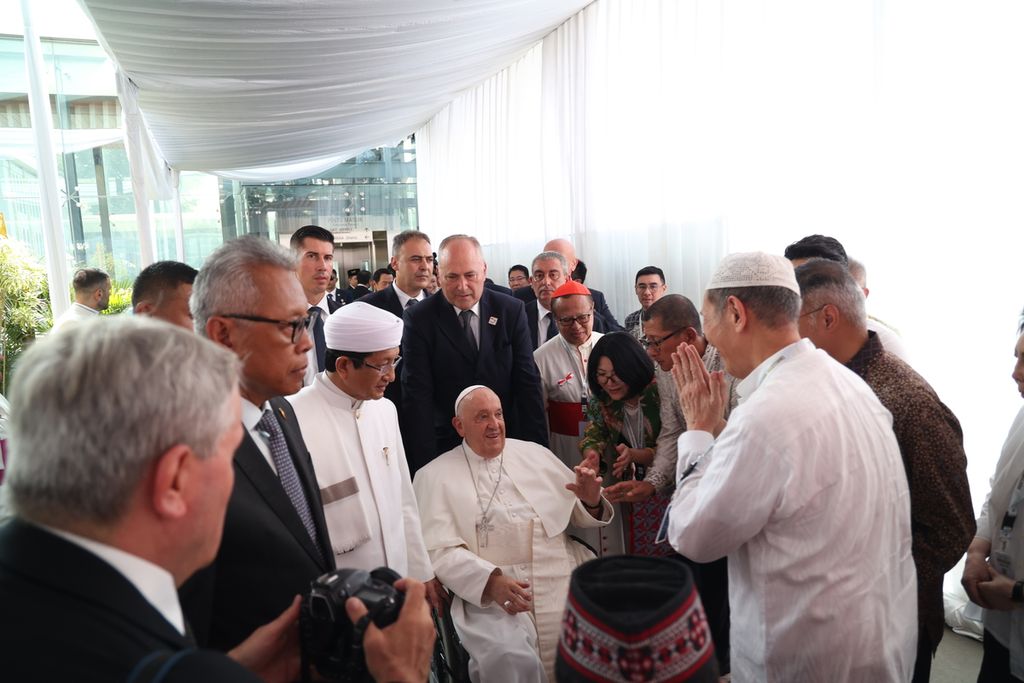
(154, 667)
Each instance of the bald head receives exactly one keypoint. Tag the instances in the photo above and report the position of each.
(565, 248)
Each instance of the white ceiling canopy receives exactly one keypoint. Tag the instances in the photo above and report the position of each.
(241, 85)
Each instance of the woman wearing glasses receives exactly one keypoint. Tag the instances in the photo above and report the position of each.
(624, 422)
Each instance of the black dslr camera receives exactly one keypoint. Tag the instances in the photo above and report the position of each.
(330, 641)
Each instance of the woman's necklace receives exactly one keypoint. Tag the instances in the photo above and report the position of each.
(484, 526)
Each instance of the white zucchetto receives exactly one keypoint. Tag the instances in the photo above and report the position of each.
(362, 328)
(466, 392)
(754, 269)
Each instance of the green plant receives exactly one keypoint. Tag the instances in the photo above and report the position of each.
(120, 296)
(25, 302)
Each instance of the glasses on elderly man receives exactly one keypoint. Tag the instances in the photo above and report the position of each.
(582, 319)
(386, 368)
(648, 342)
(298, 326)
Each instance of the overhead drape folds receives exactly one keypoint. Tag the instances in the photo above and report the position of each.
(262, 88)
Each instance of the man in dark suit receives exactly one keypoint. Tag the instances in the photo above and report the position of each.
(347, 293)
(315, 249)
(412, 260)
(468, 335)
(115, 502)
(604, 320)
(275, 538)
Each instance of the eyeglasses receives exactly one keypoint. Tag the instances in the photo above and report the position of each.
(554, 276)
(582, 319)
(644, 287)
(648, 342)
(802, 315)
(299, 325)
(386, 368)
(605, 377)
(517, 278)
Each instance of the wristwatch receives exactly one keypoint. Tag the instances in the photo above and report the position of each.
(1017, 594)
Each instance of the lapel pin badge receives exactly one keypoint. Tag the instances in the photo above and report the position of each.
(492, 321)
(280, 411)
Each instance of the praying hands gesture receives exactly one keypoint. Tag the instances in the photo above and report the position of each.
(702, 395)
(587, 486)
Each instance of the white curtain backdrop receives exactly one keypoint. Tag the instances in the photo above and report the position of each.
(669, 132)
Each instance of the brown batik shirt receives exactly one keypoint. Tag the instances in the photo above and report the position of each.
(932, 446)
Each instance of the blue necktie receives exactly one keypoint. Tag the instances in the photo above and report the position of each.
(552, 330)
(318, 338)
(286, 472)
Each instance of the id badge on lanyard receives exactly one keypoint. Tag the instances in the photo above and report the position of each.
(1001, 557)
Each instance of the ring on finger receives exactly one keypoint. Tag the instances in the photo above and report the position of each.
(506, 604)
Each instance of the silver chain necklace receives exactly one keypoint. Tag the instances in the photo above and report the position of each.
(483, 527)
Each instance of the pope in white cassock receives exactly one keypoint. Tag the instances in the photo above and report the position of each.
(803, 489)
(353, 438)
(495, 514)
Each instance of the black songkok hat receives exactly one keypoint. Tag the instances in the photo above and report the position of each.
(632, 618)
(352, 272)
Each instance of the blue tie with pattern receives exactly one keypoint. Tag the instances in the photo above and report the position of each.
(286, 471)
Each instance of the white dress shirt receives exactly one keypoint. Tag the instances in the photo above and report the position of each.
(804, 491)
(154, 582)
(404, 298)
(76, 312)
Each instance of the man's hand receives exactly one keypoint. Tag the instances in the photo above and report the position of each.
(702, 395)
(437, 595)
(976, 570)
(587, 486)
(401, 652)
(511, 595)
(629, 492)
(997, 592)
(272, 651)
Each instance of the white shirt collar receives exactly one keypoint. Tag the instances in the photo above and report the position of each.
(322, 305)
(154, 582)
(83, 307)
(541, 311)
(752, 381)
(342, 399)
(251, 413)
(475, 309)
(403, 298)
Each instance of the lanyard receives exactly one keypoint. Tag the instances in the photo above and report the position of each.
(576, 359)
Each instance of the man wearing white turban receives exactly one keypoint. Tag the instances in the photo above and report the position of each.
(358, 456)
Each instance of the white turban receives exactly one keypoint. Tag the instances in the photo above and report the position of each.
(754, 269)
(362, 328)
(466, 392)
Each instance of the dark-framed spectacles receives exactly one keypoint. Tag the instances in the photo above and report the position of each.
(386, 368)
(298, 326)
(804, 315)
(582, 319)
(648, 342)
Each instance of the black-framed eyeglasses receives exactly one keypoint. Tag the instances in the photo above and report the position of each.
(648, 342)
(582, 319)
(386, 368)
(298, 325)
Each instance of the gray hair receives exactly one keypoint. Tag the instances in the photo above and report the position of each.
(94, 404)
(773, 306)
(401, 238)
(225, 285)
(859, 272)
(551, 256)
(829, 282)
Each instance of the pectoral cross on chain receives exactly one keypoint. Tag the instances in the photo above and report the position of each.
(482, 528)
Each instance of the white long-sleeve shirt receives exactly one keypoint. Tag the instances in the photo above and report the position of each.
(804, 491)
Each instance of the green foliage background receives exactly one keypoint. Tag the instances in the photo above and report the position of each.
(25, 301)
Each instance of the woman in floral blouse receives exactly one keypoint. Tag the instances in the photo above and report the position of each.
(623, 425)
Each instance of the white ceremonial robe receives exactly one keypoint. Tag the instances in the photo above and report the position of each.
(359, 459)
(805, 491)
(563, 379)
(526, 539)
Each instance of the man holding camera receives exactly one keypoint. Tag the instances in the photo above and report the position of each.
(116, 502)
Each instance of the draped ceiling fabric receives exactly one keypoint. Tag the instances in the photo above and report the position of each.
(265, 89)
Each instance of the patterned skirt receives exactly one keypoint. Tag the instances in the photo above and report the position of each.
(642, 522)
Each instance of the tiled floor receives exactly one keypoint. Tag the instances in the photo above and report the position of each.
(957, 660)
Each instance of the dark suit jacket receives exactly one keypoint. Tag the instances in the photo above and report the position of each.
(387, 299)
(265, 557)
(495, 287)
(332, 305)
(604, 321)
(439, 363)
(67, 615)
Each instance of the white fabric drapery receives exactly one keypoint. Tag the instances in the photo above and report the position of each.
(666, 132)
(266, 86)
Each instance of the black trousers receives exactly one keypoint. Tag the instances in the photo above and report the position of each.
(712, 582)
(995, 662)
